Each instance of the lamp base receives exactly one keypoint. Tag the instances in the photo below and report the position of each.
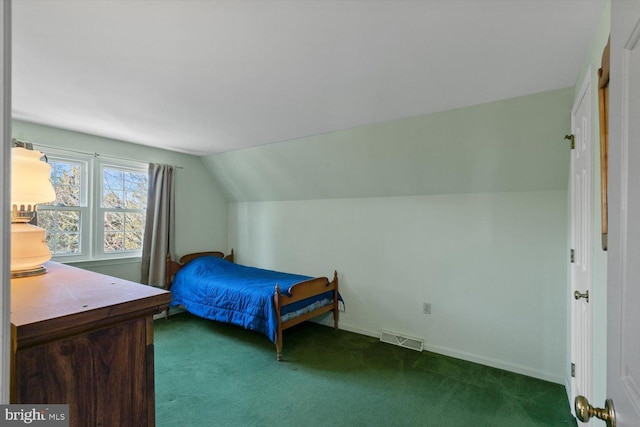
(28, 250)
(28, 273)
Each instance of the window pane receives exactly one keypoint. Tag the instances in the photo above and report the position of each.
(60, 173)
(74, 175)
(134, 221)
(113, 221)
(62, 230)
(133, 242)
(124, 189)
(113, 241)
(113, 199)
(112, 191)
(134, 230)
(67, 243)
(123, 231)
(65, 173)
(67, 195)
(135, 181)
(68, 221)
(63, 237)
(135, 190)
(46, 219)
(112, 179)
(135, 200)
(66, 179)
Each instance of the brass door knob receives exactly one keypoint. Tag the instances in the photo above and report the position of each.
(584, 411)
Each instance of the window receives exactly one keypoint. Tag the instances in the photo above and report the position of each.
(122, 207)
(100, 208)
(64, 218)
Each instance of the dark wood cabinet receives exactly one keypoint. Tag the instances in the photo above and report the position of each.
(85, 339)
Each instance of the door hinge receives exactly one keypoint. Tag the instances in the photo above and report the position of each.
(573, 370)
(573, 255)
(571, 138)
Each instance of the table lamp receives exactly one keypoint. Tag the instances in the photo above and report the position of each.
(30, 185)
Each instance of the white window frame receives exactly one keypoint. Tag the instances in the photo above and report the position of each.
(86, 214)
(98, 241)
(91, 216)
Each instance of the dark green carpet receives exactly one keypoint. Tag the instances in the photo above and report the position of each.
(211, 374)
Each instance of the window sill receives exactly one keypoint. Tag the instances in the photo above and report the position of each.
(102, 262)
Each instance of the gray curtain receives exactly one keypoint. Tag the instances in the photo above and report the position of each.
(159, 228)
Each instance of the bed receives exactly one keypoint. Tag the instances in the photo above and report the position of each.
(212, 286)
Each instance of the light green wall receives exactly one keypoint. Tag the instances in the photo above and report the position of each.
(201, 209)
(465, 209)
(598, 300)
(491, 264)
(468, 150)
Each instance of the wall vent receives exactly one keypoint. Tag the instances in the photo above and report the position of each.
(402, 340)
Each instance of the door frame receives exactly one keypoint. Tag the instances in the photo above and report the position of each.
(5, 166)
(625, 35)
(585, 93)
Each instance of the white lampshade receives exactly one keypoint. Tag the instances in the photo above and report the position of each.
(30, 185)
(30, 178)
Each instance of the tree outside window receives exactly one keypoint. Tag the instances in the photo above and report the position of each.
(63, 218)
(105, 219)
(124, 203)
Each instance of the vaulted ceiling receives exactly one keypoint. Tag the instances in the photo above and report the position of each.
(206, 77)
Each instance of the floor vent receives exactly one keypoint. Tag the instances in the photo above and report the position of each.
(401, 340)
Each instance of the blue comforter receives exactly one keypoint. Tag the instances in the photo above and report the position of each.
(220, 290)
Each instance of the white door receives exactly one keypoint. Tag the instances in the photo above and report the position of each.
(623, 281)
(581, 243)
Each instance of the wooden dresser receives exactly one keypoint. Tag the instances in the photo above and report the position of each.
(85, 339)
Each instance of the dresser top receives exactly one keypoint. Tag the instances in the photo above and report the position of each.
(69, 294)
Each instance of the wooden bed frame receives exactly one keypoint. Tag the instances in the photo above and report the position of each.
(297, 292)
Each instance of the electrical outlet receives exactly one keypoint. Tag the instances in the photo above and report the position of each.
(426, 307)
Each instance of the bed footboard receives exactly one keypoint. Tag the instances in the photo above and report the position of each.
(299, 292)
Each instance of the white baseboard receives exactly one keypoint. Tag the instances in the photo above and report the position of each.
(360, 331)
(470, 357)
(494, 363)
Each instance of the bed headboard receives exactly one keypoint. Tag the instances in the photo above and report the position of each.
(172, 267)
(188, 257)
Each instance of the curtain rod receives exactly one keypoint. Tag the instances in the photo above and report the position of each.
(15, 140)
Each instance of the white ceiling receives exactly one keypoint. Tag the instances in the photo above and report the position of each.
(211, 76)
